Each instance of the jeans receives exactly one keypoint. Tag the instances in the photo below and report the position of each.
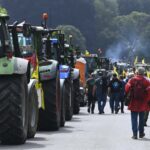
(135, 125)
(122, 102)
(146, 114)
(114, 101)
(91, 102)
(102, 97)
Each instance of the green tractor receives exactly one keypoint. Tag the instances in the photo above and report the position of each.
(51, 110)
(18, 96)
(71, 60)
(58, 50)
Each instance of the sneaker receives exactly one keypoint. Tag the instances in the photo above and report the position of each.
(117, 110)
(92, 112)
(88, 110)
(122, 111)
(134, 137)
(145, 124)
(141, 135)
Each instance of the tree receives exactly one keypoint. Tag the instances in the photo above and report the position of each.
(77, 40)
(105, 11)
(77, 13)
(3, 10)
(127, 6)
(131, 30)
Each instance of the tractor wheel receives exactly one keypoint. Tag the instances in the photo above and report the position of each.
(49, 118)
(13, 109)
(63, 97)
(69, 100)
(33, 113)
(76, 91)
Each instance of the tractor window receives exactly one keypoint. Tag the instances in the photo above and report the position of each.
(5, 44)
(1, 40)
(25, 45)
(54, 49)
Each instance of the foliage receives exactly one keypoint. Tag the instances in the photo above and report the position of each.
(131, 30)
(3, 10)
(128, 6)
(104, 23)
(73, 36)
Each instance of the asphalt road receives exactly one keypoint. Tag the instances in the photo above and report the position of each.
(89, 132)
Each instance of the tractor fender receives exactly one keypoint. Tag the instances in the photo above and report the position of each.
(48, 70)
(20, 66)
(75, 73)
(32, 84)
(64, 71)
(13, 65)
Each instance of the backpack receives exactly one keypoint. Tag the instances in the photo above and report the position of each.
(115, 85)
(138, 90)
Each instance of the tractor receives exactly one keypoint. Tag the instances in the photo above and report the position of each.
(58, 45)
(18, 95)
(46, 72)
(69, 76)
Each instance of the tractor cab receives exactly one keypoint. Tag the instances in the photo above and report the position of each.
(5, 44)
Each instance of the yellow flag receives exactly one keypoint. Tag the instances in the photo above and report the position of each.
(38, 85)
(124, 73)
(143, 61)
(115, 71)
(87, 52)
(148, 74)
(136, 60)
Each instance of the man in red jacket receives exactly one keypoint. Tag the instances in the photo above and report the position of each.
(139, 87)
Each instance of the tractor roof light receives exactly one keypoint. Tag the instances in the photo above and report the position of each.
(45, 16)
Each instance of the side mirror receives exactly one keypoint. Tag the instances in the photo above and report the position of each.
(27, 30)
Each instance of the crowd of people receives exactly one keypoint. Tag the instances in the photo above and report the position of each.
(136, 86)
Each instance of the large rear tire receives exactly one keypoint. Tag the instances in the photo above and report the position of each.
(76, 92)
(13, 109)
(49, 118)
(69, 100)
(33, 112)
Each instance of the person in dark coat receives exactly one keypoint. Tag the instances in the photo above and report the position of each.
(139, 101)
(101, 90)
(122, 93)
(114, 93)
(91, 94)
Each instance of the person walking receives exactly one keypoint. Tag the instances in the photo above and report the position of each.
(101, 90)
(91, 94)
(146, 113)
(122, 93)
(138, 87)
(114, 88)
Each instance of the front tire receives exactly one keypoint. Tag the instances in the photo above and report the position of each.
(69, 100)
(63, 110)
(76, 91)
(49, 118)
(33, 112)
